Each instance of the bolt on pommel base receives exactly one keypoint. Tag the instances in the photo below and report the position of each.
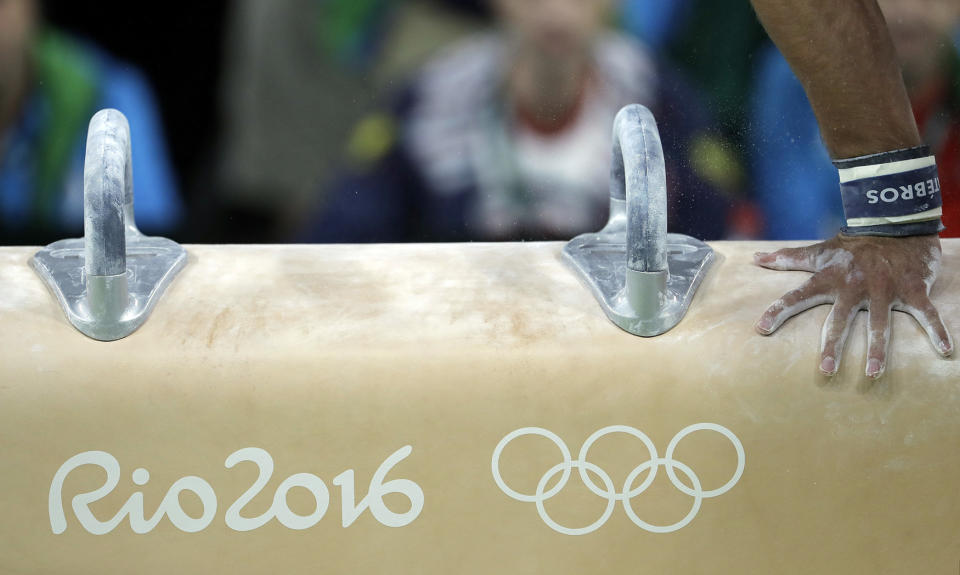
(643, 278)
(108, 281)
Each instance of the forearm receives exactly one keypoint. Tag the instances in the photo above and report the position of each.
(843, 55)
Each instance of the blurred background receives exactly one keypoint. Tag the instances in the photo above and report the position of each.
(431, 120)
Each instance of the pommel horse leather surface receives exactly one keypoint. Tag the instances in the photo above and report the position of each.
(410, 365)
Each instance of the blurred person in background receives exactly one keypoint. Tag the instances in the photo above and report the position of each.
(507, 136)
(299, 75)
(50, 87)
(794, 179)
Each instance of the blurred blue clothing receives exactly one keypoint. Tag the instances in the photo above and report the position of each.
(653, 21)
(794, 181)
(41, 199)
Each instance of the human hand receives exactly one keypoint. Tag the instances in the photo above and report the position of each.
(877, 274)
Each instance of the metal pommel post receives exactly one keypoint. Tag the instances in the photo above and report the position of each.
(643, 277)
(109, 281)
(107, 190)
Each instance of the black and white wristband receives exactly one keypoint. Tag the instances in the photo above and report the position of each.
(891, 193)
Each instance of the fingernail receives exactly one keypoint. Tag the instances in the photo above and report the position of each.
(874, 367)
(828, 366)
(945, 348)
(764, 325)
(758, 255)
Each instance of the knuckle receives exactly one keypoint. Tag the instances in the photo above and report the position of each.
(792, 298)
(930, 310)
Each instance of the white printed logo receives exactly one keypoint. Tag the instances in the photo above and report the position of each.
(609, 492)
(921, 189)
(170, 506)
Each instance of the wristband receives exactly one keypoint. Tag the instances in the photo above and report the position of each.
(891, 193)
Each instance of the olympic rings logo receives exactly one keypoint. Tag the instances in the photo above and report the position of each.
(608, 491)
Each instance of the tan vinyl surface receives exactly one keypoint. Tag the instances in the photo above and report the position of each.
(334, 357)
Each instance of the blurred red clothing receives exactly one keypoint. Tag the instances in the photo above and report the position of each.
(937, 110)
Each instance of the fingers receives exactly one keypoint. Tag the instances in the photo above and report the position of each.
(799, 259)
(878, 337)
(834, 336)
(811, 294)
(929, 319)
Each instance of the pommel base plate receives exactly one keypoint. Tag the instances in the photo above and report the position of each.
(599, 259)
(152, 264)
